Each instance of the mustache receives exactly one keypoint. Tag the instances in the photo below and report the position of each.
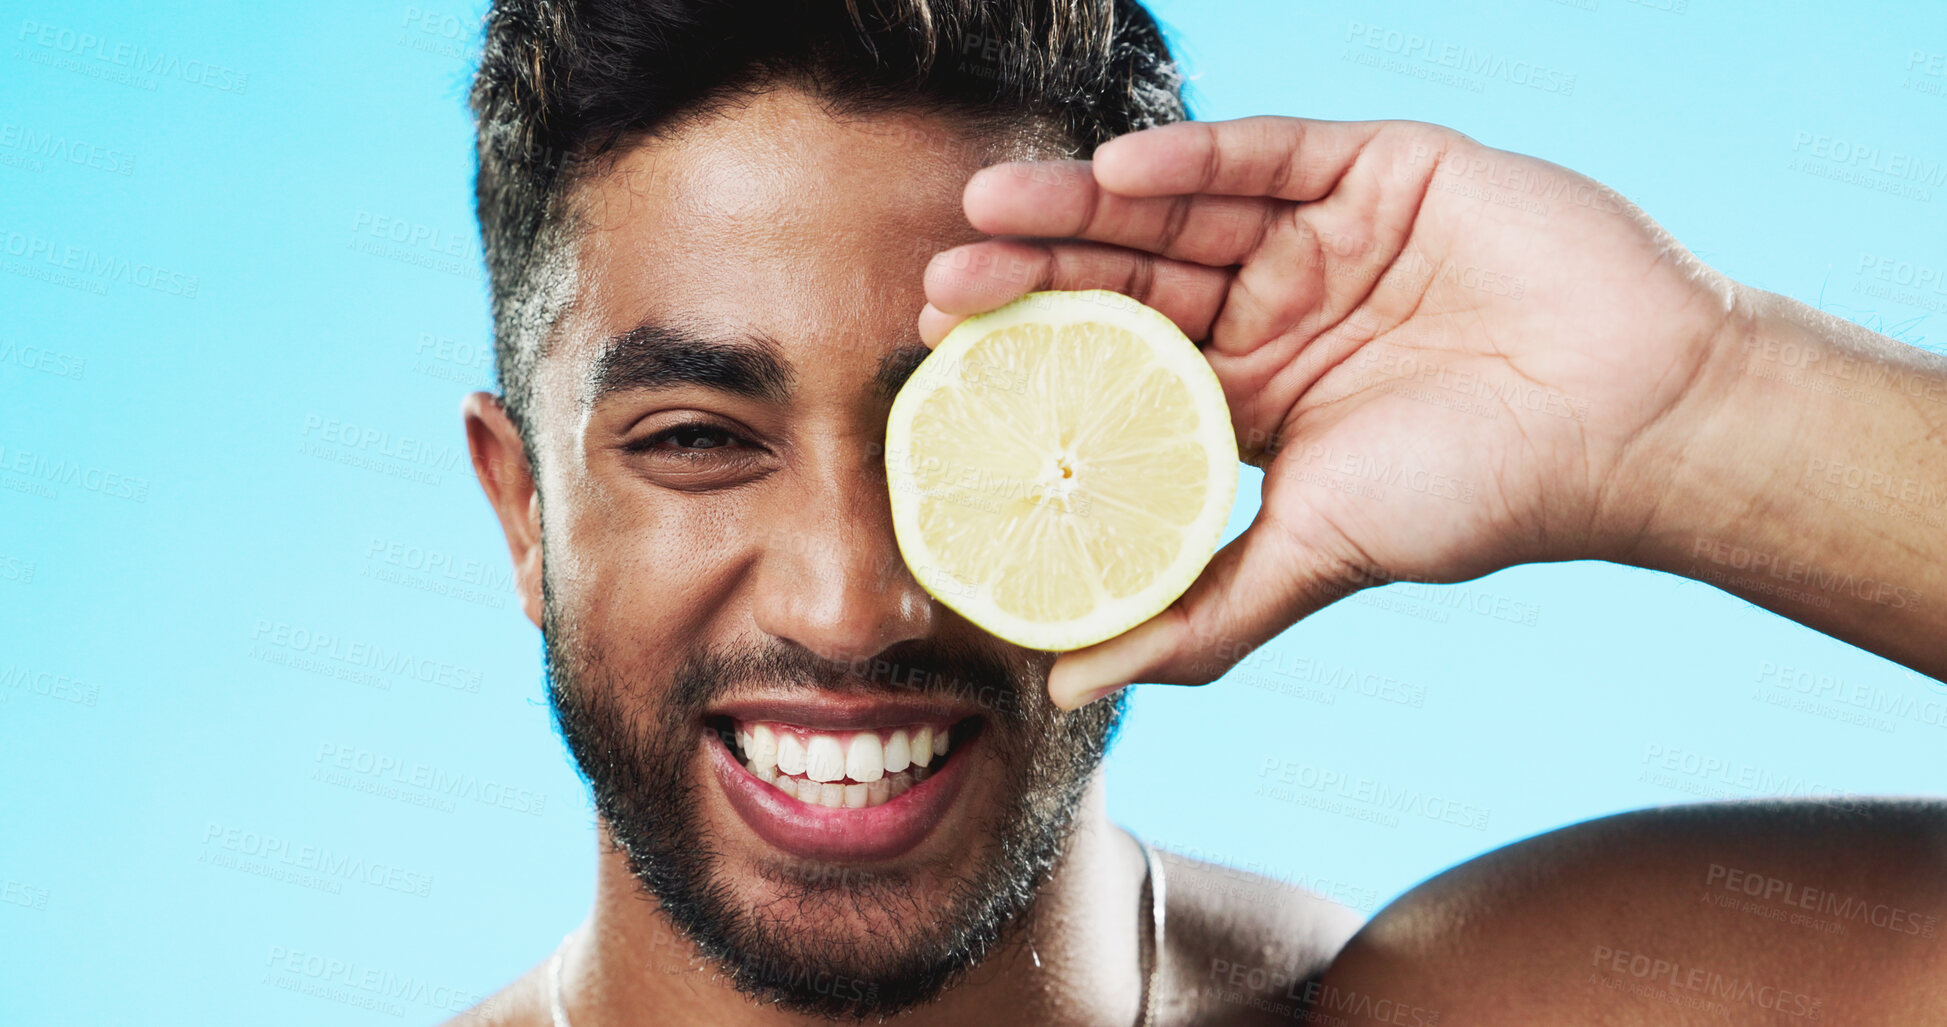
(944, 669)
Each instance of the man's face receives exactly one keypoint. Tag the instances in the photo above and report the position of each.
(724, 603)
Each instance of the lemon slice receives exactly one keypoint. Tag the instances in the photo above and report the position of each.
(1061, 468)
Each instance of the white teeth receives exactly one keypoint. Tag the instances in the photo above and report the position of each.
(899, 752)
(824, 759)
(865, 760)
(845, 770)
(837, 795)
(790, 753)
(762, 747)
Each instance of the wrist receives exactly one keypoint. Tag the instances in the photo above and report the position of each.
(1812, 480)
(1716, 468)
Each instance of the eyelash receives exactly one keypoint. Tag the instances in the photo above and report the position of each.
(701, 427)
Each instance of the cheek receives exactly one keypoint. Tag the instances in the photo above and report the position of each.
(654, 578)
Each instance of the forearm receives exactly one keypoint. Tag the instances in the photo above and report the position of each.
(1813, 480)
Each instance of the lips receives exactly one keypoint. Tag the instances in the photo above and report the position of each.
(838, 781)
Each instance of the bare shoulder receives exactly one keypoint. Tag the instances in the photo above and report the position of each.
(1760, 912)
(523, 1003)
(1242, 947)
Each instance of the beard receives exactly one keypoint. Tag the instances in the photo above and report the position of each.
(906, 943)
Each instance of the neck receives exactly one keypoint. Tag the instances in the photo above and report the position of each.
(628, 966)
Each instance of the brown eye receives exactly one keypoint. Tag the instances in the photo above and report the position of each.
(698, 437)
(700, 456)
(688, 438)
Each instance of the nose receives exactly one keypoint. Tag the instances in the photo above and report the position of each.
(831, 578)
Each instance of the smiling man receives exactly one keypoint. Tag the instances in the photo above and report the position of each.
(705, 226)
(721, 235)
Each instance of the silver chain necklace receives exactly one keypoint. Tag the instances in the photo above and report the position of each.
(1152, 947)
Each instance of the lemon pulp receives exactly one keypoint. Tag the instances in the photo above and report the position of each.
(1061, 468)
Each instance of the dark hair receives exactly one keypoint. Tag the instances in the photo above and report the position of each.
(563, 82)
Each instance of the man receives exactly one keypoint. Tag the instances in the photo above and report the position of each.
(709, 228)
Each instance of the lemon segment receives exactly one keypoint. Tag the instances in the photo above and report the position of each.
(1061, 468)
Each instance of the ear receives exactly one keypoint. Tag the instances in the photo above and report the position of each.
(500, 462)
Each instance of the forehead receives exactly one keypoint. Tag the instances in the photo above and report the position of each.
(774, 216)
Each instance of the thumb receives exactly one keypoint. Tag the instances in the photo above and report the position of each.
(1264, 581)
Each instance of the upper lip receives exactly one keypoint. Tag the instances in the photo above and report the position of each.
(842, 713)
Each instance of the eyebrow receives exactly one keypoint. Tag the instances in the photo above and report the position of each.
(662, 356)
(895, 367)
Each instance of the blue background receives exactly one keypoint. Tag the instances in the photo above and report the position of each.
(194, 294)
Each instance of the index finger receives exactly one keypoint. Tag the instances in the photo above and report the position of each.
(1288, 158)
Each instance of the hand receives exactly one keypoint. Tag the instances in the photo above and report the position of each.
(1447, 359)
